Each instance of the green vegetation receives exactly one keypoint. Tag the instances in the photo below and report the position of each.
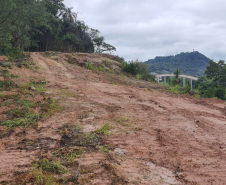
(107, 62)
(138, 128)
(7, 82)
(190, 63)
(22, 111)
(139, 69)
(53, 166)
(69, 154)
(175, 84)
(46, 25)
(214, 83)
(44, 171)
(104, 148)
(89, 65)
(24, 117)
(104, 130)
(122, 121)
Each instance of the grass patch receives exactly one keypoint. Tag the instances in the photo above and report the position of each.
(89, 65)
(78, 138)
(104, 148)
(26, 61)
(52, 108)
(25, 118)
(33, 86)
(23, 111)
(197, 96)
(44, 170)
(122, 121)
(24, 115)
(104, 130)
(54, 166)
(123, 76)
(69, 154)
(6, 96)
(107, 62)
(139, 76)
(26, 103)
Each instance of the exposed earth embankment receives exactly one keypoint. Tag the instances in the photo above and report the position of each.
(150, 136)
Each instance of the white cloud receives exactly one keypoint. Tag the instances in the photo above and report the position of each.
(147, 28)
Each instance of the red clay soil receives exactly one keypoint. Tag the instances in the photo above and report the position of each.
(155, 137)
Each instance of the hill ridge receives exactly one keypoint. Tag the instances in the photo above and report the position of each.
(190, 63)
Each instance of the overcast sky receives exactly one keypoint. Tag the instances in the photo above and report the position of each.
(143, 29)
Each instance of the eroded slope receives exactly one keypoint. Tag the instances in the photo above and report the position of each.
(154, 137)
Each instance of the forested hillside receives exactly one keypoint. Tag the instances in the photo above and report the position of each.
(43, 25)
(190, 63)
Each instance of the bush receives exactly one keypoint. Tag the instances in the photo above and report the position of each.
(53, 166)
(7, 65)
(139, 69)
(89, 65)
(220, 93)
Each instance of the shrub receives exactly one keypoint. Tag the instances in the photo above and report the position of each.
(7, 65)
(141, 70)
(107, 62)
(53, 166)
(104, 130)
(89, 65)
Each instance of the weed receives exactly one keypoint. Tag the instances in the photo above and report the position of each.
(42, 178)
(196, 96)
(8, 103)
(52, 108)
(68, 154)
(104, 130)
(110, 71)
(78, 138)
(26, 119)
(89, 65)
(139, 76)
(7, 65)
(86, 139)
(122, 121)
(30, 142)
(175, 89)
(138, 128)
(33, 86)
(101, 68)
(103, 148)
(7, 83)
(123, 76)
(80, 127)
(53, 166)
(25, 103)
(107, 62)
(8, 96)
(30, 65)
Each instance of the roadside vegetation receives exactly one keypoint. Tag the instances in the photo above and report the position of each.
(139, 69)
(47, 25)
(175, 84)
(212, 85)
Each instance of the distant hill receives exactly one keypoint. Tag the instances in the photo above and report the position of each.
(190, 63)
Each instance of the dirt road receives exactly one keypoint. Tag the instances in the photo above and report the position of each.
(155, 137)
